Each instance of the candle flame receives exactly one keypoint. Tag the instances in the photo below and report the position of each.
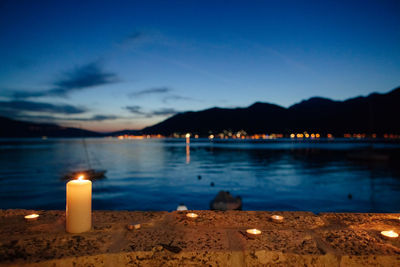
(81, 177)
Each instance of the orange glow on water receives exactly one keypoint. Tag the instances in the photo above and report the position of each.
(187, 154)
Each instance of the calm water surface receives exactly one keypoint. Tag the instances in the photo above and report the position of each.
(158, 174)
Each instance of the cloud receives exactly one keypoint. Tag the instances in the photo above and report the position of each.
(169, 98)
(151, 91)
(55, 119)
(158, 112)
(135, 110)
(134, 36)
(97, 118)
(80, 78)
(17, 107)
(165, 92)
(164, 112)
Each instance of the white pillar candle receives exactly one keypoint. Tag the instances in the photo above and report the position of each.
(79, 206)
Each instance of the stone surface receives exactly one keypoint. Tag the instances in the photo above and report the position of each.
(214, 238)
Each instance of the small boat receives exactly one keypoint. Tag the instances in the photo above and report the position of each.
(225, 201)
(90, 174)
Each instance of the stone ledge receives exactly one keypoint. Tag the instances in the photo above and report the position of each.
(215, 238)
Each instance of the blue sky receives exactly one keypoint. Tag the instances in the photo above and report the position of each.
(110, 65)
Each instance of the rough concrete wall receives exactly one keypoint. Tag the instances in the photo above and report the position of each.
(214, 238)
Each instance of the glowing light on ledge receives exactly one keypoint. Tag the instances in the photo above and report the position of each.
(277, 218)
(192, 215)
(253, 231)
(31, 217)
(390, 234)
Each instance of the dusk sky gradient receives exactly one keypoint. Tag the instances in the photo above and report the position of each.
(111, 65)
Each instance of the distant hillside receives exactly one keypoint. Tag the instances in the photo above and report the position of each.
(125, 132)
(376, 113)
(13, 128)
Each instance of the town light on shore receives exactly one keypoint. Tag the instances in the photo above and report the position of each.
(31, 217)
(253, 231)
(390, 234)
(192, 215)
(277, 218)
(187, 138)
(79, 205)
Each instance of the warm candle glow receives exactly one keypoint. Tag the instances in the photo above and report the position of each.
(277, 218)
(253, 231)
(81, 177)
(390, 233)
(192, 215)
(31, 217)
(134, 226)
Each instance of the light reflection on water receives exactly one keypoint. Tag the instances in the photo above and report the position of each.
(160, 174)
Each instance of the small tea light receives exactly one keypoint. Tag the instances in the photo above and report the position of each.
(134, 226)
(277, 218)
(31, 217)
(253, 231)
(192, 215)
(390, 234)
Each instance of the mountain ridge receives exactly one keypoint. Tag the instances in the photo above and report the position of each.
(374, 113)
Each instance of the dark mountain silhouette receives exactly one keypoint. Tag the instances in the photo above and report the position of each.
(376, 113)
(13, 128)
(125, 132)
